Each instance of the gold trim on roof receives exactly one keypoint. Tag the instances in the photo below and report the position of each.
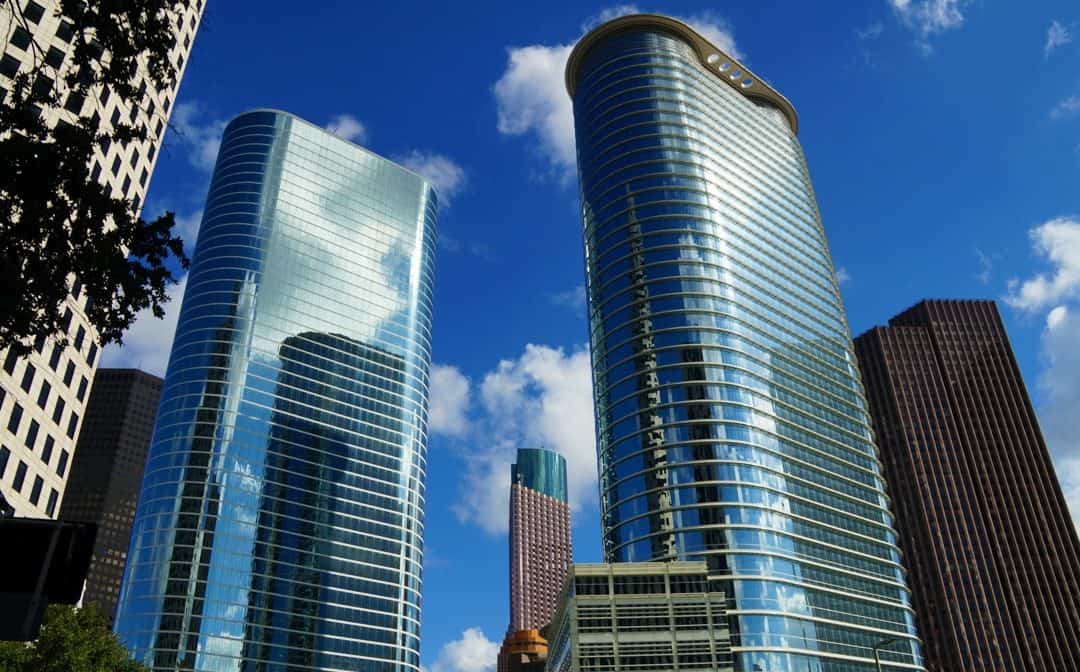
(711, 58)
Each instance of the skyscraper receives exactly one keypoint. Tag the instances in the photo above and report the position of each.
(280, 522)
(540, 547)
(107, 472)
(731, 422)
(43, 396)
(986, 534)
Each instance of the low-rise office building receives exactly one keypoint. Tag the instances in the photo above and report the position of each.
(641, 615)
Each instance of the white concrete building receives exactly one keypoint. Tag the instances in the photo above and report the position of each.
(43, 396)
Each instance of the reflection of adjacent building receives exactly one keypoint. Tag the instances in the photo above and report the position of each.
(279, 525)
(540, 552)
(986, 532)
(107, 472)
(731, 427)
(641, 616)
(313, 525)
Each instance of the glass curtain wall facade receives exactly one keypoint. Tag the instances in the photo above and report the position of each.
(731, 422)
(280, 523)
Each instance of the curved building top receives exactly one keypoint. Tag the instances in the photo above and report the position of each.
(541, 470)
(713, 59)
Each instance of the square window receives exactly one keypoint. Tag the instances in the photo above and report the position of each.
(10, 361)
(69, 373)
(73, 424)
(61, 465)
(74, 103)
(54, 57)
(53, 497)
(43, 394)
(82, 388)
(43, 85)
(106, 143)
(65, 31)
(116, 165)
(95, 172)
(80, 336)
(31, 435)
(28, 377)
(5, 455)
(54, 358)
(35, 492)
(127, 185)
(92, 355)
(9, 65)
(58, 410)
(46, 450)
(20, 477)
(15, 419)
(135, 203)
(33, 12)
(21, 38)
(143, 177)
(39, 343)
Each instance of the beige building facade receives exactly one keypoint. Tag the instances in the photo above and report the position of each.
(43, 396)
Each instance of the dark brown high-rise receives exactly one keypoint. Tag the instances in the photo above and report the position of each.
(107, 473)
(992, 554)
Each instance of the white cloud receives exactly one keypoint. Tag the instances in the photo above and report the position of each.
(1057, 35)
(447, 177)
(842, 276)
(348, 127)
(1066, 108)
(1059, 382)
(871, 32)
(148, 342)
(201, 136)
(1060, 386)
(187, 227)
(608, 14)
(1059, 241)
(929, 17)
(448, 404)
(986, 266)
(542, 398)
(474, 652)
(573, 298)
(531, 97)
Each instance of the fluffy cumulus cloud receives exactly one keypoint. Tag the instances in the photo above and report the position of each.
(147, 344)
(447, 177)
(573, 298)
(543, 398)
(929, 17)
(474, 652)
(531, 98)
(1059, 384)
(1057, 35)
(1057, 292)
(1057, 240)
(199, 132)
(842, 276)
(448, 401)
(1066, 108)
(348, 127)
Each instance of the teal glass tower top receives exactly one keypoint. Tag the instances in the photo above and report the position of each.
(541, 470)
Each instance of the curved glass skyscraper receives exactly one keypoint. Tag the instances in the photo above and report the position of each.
(731, 421)
(281, 519)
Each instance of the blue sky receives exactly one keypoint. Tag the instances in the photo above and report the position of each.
(943, 137)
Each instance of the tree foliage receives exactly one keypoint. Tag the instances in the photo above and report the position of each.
(57, 222)
(71, 640)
